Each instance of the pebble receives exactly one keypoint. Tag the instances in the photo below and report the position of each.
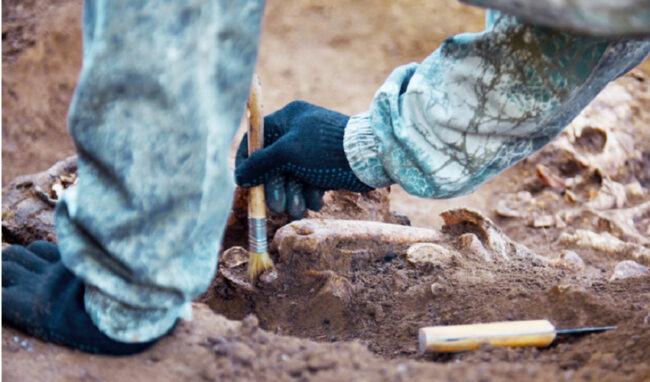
(505, 211)
(269, 276)
(437, 289)
(249, 324)
(568, 260)
(428, 253)
(572, 258)
(544, 221)
(628, 268)
(473, 245)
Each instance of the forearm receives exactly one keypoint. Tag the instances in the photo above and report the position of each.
(613, 18)
(479, 104)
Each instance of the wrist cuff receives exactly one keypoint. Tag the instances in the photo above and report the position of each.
(130, 324)
(362, 152)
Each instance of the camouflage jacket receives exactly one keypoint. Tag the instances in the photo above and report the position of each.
(480, 103)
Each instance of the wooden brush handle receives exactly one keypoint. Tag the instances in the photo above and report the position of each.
(468, 337)
(256, 204)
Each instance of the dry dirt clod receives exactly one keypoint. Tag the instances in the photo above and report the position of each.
(566, 260)
(628, 268)
(460, 221)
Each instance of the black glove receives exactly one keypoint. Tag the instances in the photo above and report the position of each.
(43, 298)
(302, 157)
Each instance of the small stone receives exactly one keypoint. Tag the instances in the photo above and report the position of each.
(628, 268)
(57, 190)
(524, 196)
(437, 289)
(572, 258)
(502, 209)
(249, 324)
(635, 190)
(26, 345)
(544, 221)
(570, 196)
(548, 177)
(269, 276)
(471, 243)
(567, 260)
(421, 253)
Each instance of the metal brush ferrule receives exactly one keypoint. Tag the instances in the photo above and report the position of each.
(257, 235)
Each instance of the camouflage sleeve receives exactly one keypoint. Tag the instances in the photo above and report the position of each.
(479, 104)
(602, 17)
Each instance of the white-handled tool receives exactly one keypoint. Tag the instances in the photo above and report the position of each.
(454, 338)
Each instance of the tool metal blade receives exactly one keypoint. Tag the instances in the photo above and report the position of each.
(585, 330)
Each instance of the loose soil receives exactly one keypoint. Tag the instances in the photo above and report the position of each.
(349, 309)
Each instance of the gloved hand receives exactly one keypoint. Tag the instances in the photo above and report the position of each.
(43, 298)
(302, 158)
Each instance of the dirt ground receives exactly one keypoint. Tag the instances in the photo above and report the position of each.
(552, 240)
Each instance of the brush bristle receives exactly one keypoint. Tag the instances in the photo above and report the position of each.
(258, 263)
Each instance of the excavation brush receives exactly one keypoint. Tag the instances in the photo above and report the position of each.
(258, 257)
(540, 333)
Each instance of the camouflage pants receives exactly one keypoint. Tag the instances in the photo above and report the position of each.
(161, 92)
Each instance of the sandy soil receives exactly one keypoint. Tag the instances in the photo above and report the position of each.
(360, 322)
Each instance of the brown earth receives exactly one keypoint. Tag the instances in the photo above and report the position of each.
(347, 298)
